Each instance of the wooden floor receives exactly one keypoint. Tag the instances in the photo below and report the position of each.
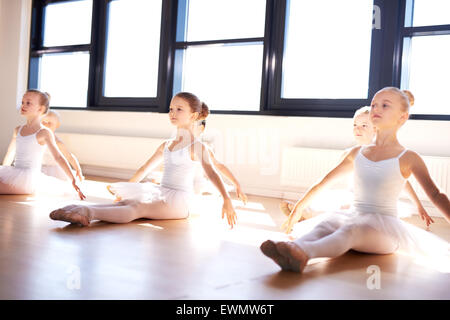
(197, 258)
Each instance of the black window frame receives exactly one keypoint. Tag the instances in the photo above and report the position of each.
(407, 30)
(385, 68)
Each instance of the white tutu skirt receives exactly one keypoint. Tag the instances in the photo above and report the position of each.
(150, 192)
(411, 239)
(29, 181)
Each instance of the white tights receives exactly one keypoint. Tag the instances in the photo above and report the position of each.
(330, 241)
(126, 211)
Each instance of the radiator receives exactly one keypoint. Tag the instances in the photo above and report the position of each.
(302, 167)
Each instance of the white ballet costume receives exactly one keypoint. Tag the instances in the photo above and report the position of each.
(372, 224)
(25, 175)
(176, 188)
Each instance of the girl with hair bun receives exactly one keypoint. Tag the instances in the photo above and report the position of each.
(171, 199)
(380, 172)
(364, 133)
(26, 150)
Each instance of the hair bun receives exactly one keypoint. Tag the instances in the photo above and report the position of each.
(410, 97)
(204, 112)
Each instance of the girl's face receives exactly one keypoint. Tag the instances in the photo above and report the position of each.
(31, 105)
(180, 113)
(387, 111)
(363, 130)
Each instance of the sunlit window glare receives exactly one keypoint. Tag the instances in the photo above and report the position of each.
(132, 48)
(68, 23)
(65, 77)
(429, 67)
(231, 19)
(431, 12)
(226, 77)
(327, 49)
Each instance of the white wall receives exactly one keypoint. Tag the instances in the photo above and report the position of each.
(14, 39)
(243, 147)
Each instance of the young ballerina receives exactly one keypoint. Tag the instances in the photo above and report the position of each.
(363, 133)
(26, 150)
(49, 166)
(380, 172)
(171, 199)
(202, 185)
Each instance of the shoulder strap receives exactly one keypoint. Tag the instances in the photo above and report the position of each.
(402, 153)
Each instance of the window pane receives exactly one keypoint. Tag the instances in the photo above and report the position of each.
(429, 67)
(226, 77)
(65, 77)
(132, 48)
(230, 19)
(327, 49)
(68, 23)
(431, 12)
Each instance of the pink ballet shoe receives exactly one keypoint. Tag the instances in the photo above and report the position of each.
(296, 257)
(67, 215)
(269, 249)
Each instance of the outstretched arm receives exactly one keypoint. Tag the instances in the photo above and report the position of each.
(45, 136)
(151, 163)
(70, 157)
(227, 173)
(10, 154)
(203, 156)
(420, 171)
(343, 168)
(413, 196)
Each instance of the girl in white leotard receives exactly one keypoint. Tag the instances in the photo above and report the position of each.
(21, 169)
(171, 199)
(372, 226)
(364, 133)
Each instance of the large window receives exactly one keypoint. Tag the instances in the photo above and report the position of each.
(219, 52)
(270, 57)
(426, 51)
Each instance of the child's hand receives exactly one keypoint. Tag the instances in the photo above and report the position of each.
(77, 189)
(294, 217)
(425, 217)
(241, 195)
(229, 211)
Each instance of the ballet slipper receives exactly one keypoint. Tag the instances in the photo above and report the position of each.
(296, 257)
(269, 249)
(68, 215)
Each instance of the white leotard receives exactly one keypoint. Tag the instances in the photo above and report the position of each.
(377, 184)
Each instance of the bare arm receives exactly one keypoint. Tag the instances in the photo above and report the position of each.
(420, 209)
(46, 136)
(11, 152)
(343, 168)
(227, 173)
(202, 154)
(420, 172)
(70, 157)
(151, 163)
